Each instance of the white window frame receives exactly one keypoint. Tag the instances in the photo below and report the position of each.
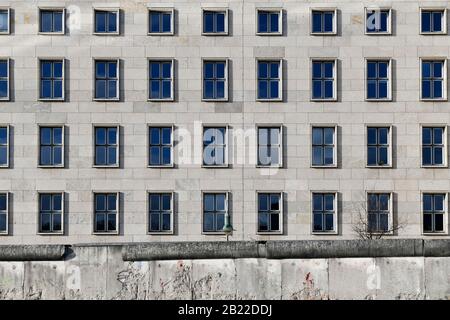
(335, 24)
(335, 230)
(56, 125)
(445, 220)
(280, 21)
(335, 82)
(170, 10)
(63, 32)
(172, 214)
(335, 144)
(118, 213)
(281, 221)
(9, 21)
(8, 71)
(156, 125)
(172, 79)
(444, 76)
(57, 59)
(389, 22)
(281, 151)
(6, 232)
(280, 86)
(391, 211)
(94, 126)
(107, 9)
(389, 61)
(215, 9)
(227, 210)
(224, 99)
(445, 151)
(50, 233)
(8, 132)
(226, 155)
(366, 146)
(444, 20)
(118, 80)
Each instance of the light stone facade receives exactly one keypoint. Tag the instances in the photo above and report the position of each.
(351, 113)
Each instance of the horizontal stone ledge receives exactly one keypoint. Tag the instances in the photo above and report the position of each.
(32, 252)
(301, 249)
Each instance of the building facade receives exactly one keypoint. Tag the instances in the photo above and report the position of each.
(135, 121)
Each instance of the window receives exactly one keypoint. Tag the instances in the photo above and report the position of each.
(51, 212)
(52, 80)
(434, 146)
(434, 212)
(4, 79)
(269, 21)
(434, 80)
(106, 212)
(4, 20)
(215, 22)
(107, 79)
(51, 146)
(51, 21)
(378, 83)
(160, 212)
(270, 146)
(269, 80)
(106, 21)
(4, 213)
(324, 212)
(323, 80)
(215, 82)
(160, 146)
(215, 152)
(433, 21)
(378, 21)
(379, 212)
(215, 208)
(106, 146)
(378, 147)
(160, 22)
(4, 146)
(323, 146)
(161, 80)
(323, 21)
(270, 212)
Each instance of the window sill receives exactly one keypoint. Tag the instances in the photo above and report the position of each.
(213, 233)
(269, 34)
(381, 33)
(116, 166)
(434, 166)
(51, 100)
(331, 166)
(389, 166)
(160, 34)
(106, 100)
(59, 233)
(3, 234)
(106, 33)
(215, 100)
(161, 100)
(323, 33)
(169, 166)
(324, 100)
(433, 100)
(111, 233)
(218, 166)
(160, 233)
(378, 100)
(324, 233)
(270, 100)
(269, 233)
(440, 33)
(215, 34)
(4, 99)
(438, 233)
(50, 166)
(51, 33)
(5, 33)
(260, 166)
(6, 166)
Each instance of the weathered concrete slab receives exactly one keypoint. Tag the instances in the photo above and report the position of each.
(31, 252)
(437, 278)
(170, 280)
(44, 280)
(258, 279)
(11, 280)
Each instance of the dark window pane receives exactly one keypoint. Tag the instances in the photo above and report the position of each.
(438, 156)
(274, 222)
(100, 21)
(262, 90)
(166, 222)
(112, 155)
(437, 21)
(112, 202)
(155, 156)
(208, 202)
(3, 88)
(112, 89)
(154, 222)
(3, 155)
(274, 202)
(220, 70)
(372, 202)
(328, 22)
(438, 222)
(46, 202)
(209, 70)
(3, 135)
(328, 155)
(2, 222)
(100, 89)
(426, 22)
(426, 89)
(317, 21)
(437, 89)
(57, 202)
(262, 22)
(426, 156)
(3, 201)
(384, 202)
(46, 21)
(46, 89)
(100, 155)
(371, 69)
(100, 222)
(57, 155)
(383, 90)
(4, 23)
(46, 136)
(438, 135)
(372, 156)
(317, 70)
(208, 222)
(57, 21)
(437, 69)
(317, 156)
(167, 24)
(317, 202)
(100, 69)
(154, 22)
(372, 222)
(112, 21)
(112, 136)
(426, 135)
(263, 202)
(220, 22)
(167, 69)
(220, 221)
(317, 222)
(166, 135)
(427, 224)
(154, 136)
(439, 202)
(274, 22)
(263, 222)
(426, 69)
(329, 222)
(372, 135)
(383, 135)
(382, 69)
(57, 222)
(329, 201)
(263, 70)
(317, 138)
(317, 89)
(328, 69)
(166, 155)
(371, 89)
(328, 89)
(209, 89)
(166, 201)
(274, 89)
(100, 202)
(45, 222)
(384, 222)
(111, 222)
(46, 155)
(154, 202)
(208, 22)
(100, 136)
(427, 202)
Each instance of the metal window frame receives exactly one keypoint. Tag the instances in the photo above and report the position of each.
(335, 79)
(390, 211)
(8, 79)
(118, 214)
(445, 218)
(172, 212)
(281, 212)
(388, 23)
(226, 145)
(162, 10)
(216, 10)
(443, 20)
(323, 10)
(8, 9)
(8, 145)
(56, 125)
(226, 74)
(161, 126)
(278, 10)
(116, 99)
(54, 9)
(281, 151)
(335, 230)
(389, 79)
(366, 136)
(94, 19)
(335, 144)
(203, 210)
(444, 141)
(51, 192)
(280, 97)
(94, 127)
(63, 78)
(6, 232)
(444, 78)
(172, 79)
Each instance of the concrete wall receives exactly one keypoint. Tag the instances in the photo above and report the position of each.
(351, 179)
(98, 272)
